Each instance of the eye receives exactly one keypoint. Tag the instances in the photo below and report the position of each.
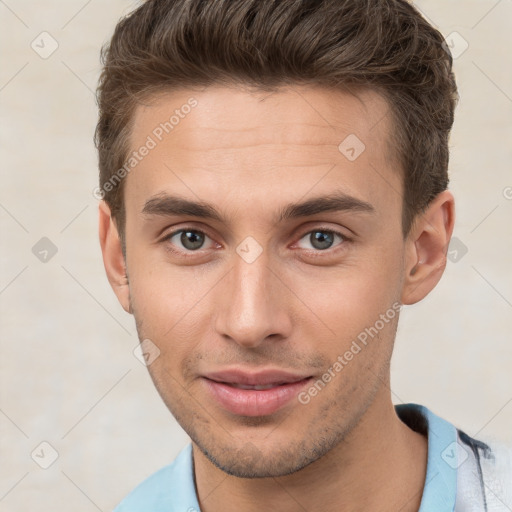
(321, 239)
(190, 239)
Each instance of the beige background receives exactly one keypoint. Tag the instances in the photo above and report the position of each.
(68, 374)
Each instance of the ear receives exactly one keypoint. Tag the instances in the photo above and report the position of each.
(426, 248)
(113, 257)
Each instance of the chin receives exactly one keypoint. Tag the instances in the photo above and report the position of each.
(270, 460)
(250, 462)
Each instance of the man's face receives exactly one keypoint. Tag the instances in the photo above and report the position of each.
(251, 306)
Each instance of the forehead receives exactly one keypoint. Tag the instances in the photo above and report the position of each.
(220, 141)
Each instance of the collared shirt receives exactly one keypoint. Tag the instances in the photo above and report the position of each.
(454, 481)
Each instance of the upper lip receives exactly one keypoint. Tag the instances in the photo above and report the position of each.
(252, 378)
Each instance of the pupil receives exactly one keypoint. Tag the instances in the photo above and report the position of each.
(321, 239)
(191, 240)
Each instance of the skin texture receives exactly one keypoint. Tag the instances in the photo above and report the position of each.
(294, 308)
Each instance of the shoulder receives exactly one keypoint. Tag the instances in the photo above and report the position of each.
(492, 469)
(149, 494)
(170, 488)
(470, 474)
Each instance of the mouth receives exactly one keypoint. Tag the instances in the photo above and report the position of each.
(254, 394)
(256, 387)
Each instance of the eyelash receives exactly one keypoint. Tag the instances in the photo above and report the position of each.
(316, 252)
(184, 253)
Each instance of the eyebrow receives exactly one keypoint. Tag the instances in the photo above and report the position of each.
(168, 205)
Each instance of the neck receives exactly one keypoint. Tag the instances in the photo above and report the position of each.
(379, 466)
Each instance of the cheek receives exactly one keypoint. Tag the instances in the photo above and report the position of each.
(346, 301)
(169, 302)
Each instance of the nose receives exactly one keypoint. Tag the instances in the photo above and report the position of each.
(254, 305)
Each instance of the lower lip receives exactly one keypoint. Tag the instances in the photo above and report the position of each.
(251, 402)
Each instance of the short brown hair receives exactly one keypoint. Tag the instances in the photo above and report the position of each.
(385, 45)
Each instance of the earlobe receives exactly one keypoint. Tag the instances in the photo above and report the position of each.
(426, 248)
(113, 257)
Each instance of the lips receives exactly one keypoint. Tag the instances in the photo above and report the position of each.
(257, 388)
(254, 393)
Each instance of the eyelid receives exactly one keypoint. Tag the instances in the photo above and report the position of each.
(341, 234)
(172, 230)
(167, 239)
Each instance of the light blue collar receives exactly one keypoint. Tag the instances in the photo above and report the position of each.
(172, 489)
(440, 490)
